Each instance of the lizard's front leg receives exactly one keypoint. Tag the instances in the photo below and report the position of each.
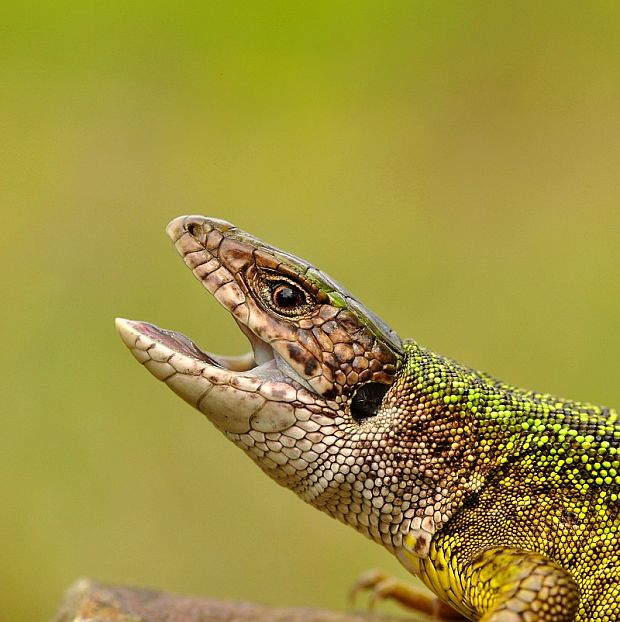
(510, 585)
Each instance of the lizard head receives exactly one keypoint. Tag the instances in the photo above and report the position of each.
(311, 402)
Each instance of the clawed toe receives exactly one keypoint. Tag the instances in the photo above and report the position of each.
(383, 586)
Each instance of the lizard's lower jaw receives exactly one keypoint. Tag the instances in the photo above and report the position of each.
(237, 394)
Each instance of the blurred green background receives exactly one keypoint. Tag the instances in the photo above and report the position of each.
(456, 164)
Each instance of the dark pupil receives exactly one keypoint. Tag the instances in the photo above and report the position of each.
(287, 297)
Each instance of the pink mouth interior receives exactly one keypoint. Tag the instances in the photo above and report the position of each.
(175, 341)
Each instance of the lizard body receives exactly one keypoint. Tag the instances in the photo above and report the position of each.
(504, 502)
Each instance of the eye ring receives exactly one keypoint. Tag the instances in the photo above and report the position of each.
(283, 295)
(286, 296)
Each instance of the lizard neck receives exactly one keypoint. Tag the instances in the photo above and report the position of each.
(456, 426)
(463, 426)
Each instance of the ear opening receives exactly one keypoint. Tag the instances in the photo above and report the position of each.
(367, 400)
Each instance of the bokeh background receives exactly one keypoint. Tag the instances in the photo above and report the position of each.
(456, 164)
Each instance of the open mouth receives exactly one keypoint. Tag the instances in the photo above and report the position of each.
(237, 394)
(260, 362)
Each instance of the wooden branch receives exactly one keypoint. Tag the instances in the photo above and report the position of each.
(87, 601)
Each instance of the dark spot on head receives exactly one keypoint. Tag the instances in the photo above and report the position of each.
(311, 366)
(295, 352)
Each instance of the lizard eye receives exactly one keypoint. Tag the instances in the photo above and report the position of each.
(286, 296)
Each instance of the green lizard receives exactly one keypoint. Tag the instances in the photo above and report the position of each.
(504, 502)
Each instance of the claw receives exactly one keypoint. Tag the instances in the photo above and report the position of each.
(367, 581)
(382, 586)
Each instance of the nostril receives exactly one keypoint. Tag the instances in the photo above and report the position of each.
(194, 229)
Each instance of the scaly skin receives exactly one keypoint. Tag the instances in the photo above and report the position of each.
(503, 501)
